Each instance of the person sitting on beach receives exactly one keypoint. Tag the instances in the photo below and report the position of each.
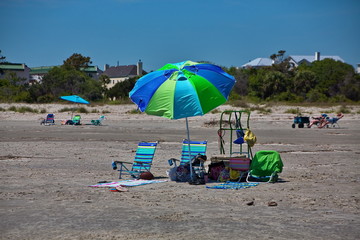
(318, 120)
(329, 120)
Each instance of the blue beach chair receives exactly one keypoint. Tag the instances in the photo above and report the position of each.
(196, 147)
(142, 161)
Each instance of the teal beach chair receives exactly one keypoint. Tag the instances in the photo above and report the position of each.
(99, 121)
(196, 147)
(142, 162)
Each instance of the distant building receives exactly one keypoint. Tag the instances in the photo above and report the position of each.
(295, 59)
(20, 69)
(37, 73)
(358, 68)
(121, 73)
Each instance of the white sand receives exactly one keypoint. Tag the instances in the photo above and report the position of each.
(45, 171)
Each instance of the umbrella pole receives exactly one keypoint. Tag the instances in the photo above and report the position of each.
(188, 138)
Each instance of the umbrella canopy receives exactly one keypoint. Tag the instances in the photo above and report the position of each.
(182, 90)
(75, 99)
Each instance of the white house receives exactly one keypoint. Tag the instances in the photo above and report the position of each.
(295, 59)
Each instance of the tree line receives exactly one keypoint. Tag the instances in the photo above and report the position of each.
(322, 81)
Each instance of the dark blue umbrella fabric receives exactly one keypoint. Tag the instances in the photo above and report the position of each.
(75, 99)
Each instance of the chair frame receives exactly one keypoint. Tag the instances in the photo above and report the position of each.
(49, 121)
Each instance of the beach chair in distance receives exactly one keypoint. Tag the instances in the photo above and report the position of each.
(265, 166)
(196, 147)
(142, 162)
(99, 121)
(49, 120)
(76, 120)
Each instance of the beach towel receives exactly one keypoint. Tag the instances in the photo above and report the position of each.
(233, 185)
(127, 183)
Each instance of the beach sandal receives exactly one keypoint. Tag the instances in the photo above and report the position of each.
(121, 189)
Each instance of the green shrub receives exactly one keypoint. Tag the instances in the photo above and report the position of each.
(26, 109)
(12, 108)
(292, 110)
(66, 109)
(215, 111)
(43, 110)
(106, 111)
(134, 111)
(2, 109)
(344, 109)
(239, 103)
(82, 110)
(261, 110)
(45, 99)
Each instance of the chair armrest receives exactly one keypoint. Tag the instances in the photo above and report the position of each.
(142, 163)
(122, 162)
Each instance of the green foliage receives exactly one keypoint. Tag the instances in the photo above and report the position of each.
(261, 110)
(22, 109)
(45, 99)
(292, 111)
(82, 110)
(66, 109)
(134, 111)
(344, 109)
(77, 61)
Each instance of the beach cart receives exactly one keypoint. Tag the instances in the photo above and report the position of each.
(301, 121)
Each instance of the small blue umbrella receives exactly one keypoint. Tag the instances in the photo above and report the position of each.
(75, 99)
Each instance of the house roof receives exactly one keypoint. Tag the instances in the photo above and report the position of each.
(299, 58)
(40, 70)
(46, 69)
(259, 62)
(263, 62)
(12, 66)
(121, 71)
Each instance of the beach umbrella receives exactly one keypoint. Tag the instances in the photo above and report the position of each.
(182, 90)
(75, 99)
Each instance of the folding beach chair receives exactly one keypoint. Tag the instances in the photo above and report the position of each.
(142, 161)
(99, 121)
(265, 166)
(49, 120)
(76, 120)
(196, 147)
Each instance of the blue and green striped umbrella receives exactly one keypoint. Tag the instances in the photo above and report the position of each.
(180, 90)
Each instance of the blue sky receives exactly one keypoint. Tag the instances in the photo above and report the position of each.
(224, 32)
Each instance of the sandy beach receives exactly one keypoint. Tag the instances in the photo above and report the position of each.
(46, 172)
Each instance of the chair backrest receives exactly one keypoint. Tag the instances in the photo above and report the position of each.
(266, 162)
(144, 156)
(196, 147)
(50, 116)
(76, 118)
